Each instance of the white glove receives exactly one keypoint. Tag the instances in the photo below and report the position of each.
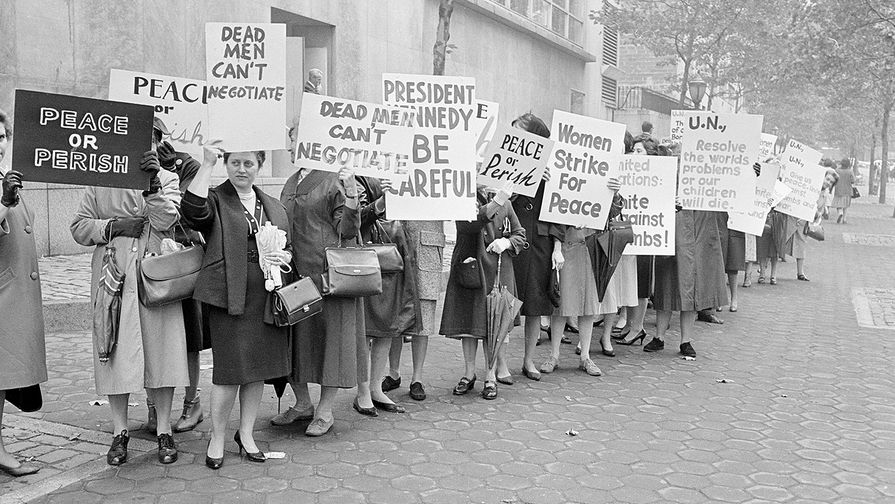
(499, 245)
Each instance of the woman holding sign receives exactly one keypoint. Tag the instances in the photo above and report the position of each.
(496, 233)
(535, 264)
(247, 347)
(23, 360)
(151, 349)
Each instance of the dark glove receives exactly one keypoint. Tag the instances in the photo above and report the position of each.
(166, 155)
(757, 169)
(127, 226)
(150, 165)
(12, 182)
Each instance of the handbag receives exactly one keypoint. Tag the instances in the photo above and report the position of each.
(469, 274)
(855, 193)
(295, 302)
(351, 272)
(554, 292)
(390, 260)
(169, 278)
(165, 279)
(813, 230)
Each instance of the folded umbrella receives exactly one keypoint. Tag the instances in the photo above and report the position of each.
(502, 309)
(606, 250)
(107, 311)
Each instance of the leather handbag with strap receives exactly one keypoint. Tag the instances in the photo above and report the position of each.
(295, 302)
(390, 260)
(169, 278)
(351, 272)
(814, 230)
(855, 193)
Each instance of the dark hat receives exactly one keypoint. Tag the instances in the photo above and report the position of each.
(158, 124)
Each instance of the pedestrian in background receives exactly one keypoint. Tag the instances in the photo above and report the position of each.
(844, 190)
(151, 350)
(23, 359)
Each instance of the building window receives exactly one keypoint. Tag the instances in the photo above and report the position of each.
(576, 102)
(563, 17)
(610, 46)
(610, 92)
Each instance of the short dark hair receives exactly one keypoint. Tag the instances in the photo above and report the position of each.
(647, 127)
(532, 124)
(7, 124)
(259, 155)
(845, 163)
(649, 144)
(629, 142)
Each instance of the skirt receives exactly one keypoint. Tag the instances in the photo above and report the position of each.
(735, 256)
(325, 346)
(751, 250)
(195, 324)
(645, 276)
(577, 286)
(628, 287)
(244, 348)
(841, 202)
(798, 241)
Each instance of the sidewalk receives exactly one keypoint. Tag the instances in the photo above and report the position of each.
(791, 400)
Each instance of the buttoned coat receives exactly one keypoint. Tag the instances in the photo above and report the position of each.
(23, 360)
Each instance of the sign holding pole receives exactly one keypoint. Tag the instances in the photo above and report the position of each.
(246, 78)
(81, 141)
(717, 154)
(178, 101)
(441, 183)
(585, 156)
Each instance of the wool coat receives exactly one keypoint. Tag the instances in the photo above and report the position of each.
(23, 360)
(151, 350)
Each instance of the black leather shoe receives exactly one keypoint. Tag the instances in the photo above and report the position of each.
(687, 350)
(654, 345)
(257, 456)
(365, 411)
(464, 385)
(167, 451)
(389, 407)
(705, 316)
(389, 383)
(417, 392)
(118, 452)
(213, 463)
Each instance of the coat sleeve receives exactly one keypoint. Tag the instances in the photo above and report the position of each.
(517, 232)
(346, 221)
(162, 207)
(372, 203)
(616, 209)
(87, 228)
(198, 212)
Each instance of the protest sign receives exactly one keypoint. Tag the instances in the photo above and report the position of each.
(585, 156)
(246, 82)
(766, 149)
(484, 124)
(82, 141)
(648, 184)
(373, 139)
(179, 102)
(441, 183)
(781, 191)
(752, 220)
(717, 154)
(677, 125)
(515, 158)
(805, 177)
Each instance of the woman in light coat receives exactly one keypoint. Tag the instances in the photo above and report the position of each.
(151, 351)
(23, 360)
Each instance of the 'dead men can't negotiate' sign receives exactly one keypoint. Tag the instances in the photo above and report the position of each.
(515, 158)
(246, 78)
(373, 139)
(585, 156)
(178, 101)
(82, 141)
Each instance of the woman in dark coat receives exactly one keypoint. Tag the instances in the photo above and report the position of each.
(246, 346)
(323, 212)
(495, 233)
(535, 264)
(23, 360)
(395, 312)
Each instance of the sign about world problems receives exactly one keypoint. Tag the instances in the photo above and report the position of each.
(717, 154)
(585, 156)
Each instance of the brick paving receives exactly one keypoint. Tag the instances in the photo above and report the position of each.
(791, 400)
(65, 278)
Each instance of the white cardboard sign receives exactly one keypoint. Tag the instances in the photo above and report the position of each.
(648, 187)
(515, 159)
(805, 177)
